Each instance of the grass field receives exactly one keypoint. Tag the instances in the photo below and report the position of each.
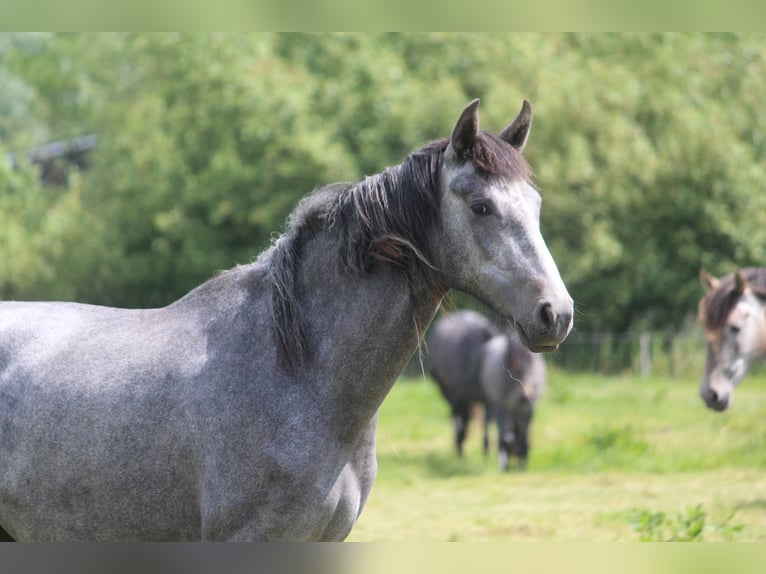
(612, 459)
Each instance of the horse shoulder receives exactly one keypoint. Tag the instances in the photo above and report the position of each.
(291, 489)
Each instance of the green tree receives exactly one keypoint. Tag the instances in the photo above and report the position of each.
(208, 143)
(648, 149)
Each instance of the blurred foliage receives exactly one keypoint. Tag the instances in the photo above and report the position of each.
(648, 150)
(689, 526)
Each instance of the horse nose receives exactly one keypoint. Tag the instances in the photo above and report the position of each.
(546, 317)
(554, 322)
(715, 400)
(548, 325)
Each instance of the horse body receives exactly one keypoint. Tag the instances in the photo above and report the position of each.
(90, 412)
(455, 354)
(733, 316)
(473, 362)
(247, 409)
(130, 412)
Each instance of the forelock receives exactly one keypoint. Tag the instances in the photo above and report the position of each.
(716, 306)
(493, 157)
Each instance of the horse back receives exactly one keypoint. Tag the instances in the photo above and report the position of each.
(102, 411)
(454, 354)
(90, 413)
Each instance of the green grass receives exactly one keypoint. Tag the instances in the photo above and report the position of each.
(613, 458)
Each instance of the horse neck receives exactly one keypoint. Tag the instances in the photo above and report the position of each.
(360, 329)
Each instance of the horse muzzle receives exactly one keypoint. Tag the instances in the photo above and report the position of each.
(549, 326)
(716, 400)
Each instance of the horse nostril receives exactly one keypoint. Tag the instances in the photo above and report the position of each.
(547, 319)
(716, 401)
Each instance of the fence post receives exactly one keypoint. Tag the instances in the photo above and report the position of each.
(645, 355)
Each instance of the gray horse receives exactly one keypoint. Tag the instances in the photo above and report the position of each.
(733, 316)
(512, 380)
(247, 409)
(455, 352)
(473, 362)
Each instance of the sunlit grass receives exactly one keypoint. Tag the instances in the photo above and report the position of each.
(604, 451)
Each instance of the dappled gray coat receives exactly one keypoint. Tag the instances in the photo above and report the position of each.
(247, 409)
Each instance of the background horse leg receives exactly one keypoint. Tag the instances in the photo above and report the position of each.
(488, 415)
(460, 417)
(505, 438)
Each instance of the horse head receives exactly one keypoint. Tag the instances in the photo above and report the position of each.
(489, 243)
(733, 316)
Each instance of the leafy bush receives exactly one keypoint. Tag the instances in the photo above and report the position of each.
(689, 526)
(649, 149)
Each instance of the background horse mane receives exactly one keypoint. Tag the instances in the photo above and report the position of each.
(384, 218)
(719, 301)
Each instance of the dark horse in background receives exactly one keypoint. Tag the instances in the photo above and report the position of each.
(475, 363)
(733, 316)
(512, 378)
(247, 410)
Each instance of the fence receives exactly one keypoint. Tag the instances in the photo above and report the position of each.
(677, 353)
(645, 353)
(640, 353)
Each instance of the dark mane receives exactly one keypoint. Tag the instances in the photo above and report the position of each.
(385, 218)
(718, 303)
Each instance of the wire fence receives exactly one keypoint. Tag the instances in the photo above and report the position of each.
(642, 353)
(638, 353)
(670, 353)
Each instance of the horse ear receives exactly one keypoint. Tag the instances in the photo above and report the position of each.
(740, 282)
(517, 132)
(466, 129)
(708, 281)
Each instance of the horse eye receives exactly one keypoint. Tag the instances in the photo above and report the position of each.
(733, 329)
(479, 208)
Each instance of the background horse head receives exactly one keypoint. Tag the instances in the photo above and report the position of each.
(733, 315)
(512, 379)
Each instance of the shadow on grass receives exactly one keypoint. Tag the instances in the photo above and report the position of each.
(435, 465)
(446, 466)
(756, 503)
